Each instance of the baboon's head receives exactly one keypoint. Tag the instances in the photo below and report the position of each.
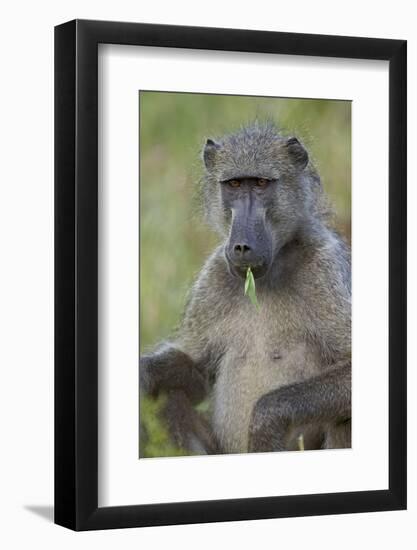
(258, 190)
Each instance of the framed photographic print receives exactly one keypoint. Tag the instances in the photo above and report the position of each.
(230, 275)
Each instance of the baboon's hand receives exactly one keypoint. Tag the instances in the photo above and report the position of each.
(171, 369)
(270, 423)
(189, 429)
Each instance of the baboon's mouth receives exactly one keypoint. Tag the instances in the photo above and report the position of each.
(240, 270)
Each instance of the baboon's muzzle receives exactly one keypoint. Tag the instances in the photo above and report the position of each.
(249, 245)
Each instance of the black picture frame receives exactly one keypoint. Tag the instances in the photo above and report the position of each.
(76, 274)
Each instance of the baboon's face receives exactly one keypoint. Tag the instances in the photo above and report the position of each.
(255, 195)
(250, 241)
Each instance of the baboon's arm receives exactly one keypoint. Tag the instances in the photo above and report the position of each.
(322, 399)
(188, 363)
(173, 372)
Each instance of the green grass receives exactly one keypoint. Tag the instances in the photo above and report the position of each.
(174, 241)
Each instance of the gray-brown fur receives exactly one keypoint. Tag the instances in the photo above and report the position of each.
(284, 370)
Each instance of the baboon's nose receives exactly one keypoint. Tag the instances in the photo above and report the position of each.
(241, 250)
(243, 255)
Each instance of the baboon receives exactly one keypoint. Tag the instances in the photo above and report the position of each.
(285, 369)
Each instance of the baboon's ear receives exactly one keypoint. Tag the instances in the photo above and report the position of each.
(209, 153)
(297, 153)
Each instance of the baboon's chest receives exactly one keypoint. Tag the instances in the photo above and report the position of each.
(263, 352)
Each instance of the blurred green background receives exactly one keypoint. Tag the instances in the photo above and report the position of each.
(174, 240)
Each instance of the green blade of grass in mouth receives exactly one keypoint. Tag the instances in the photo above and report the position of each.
(250, 289)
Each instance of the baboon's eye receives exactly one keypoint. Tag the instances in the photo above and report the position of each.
(262, 182)
(234, 183)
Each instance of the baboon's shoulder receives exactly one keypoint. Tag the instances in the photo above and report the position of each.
(211, 294)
